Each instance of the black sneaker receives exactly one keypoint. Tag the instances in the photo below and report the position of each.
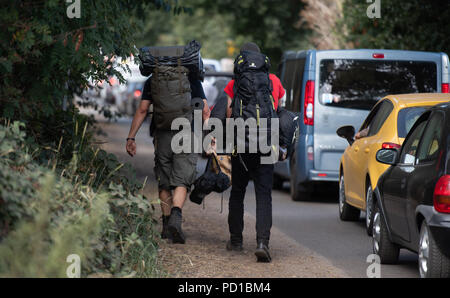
(234, 246)
(165, 234)
(262, 253)
(174, 227)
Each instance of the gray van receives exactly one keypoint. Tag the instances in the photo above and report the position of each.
(332, 88)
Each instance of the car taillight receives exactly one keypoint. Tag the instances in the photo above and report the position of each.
(390, 146)
(445, 88)
(441, 197)
(308, 111)
(137, 93)
(378, 56)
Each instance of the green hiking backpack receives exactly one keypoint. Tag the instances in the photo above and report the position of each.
(171, 95)
(170, 86)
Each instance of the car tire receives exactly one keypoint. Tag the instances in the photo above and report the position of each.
(432, 262)
(369, 209)
(382, 245)
(277, 182)
(346, 212)
(300, 192)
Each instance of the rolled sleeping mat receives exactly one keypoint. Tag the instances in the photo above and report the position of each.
(197, 103)
(188, 56)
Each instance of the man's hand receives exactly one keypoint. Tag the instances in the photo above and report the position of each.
(131, 147)
(139, 117)
(206, 112)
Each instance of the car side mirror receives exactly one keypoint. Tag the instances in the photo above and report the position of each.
(387, 156)
(347, 132)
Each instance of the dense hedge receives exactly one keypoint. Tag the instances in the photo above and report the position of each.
(91, 206)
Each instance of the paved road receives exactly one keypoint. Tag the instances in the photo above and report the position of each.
(316, 225)
(313, 224)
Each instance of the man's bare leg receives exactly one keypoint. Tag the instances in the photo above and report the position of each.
(179, 197)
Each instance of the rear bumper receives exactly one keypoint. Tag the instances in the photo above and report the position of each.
(332, 176)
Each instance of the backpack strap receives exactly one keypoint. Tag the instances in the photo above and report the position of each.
(270, 92)
(179, 75)
(157, 74)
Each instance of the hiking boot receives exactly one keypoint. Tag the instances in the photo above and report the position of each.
(262, 253)
(174, 227)
(234, 246)
(165, 234)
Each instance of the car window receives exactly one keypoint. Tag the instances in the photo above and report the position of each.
(288, 80)
(370, 117)
(406, 119)
(431, 140)
(297, 85)
(359, 84)
(381, 116)
(409, 148)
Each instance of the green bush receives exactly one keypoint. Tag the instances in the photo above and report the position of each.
(90, 207)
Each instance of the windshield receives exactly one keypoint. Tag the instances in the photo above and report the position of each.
(359, 84)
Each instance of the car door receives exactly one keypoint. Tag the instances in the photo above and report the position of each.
(360, 150)
(367, 146)
(352, 160)
(395, 184)
(422, 181)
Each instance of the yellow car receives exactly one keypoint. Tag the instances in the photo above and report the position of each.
(386, 126)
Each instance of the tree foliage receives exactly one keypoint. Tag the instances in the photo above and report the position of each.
(224, 25)
(273, 25)
(45, 56)
(213, 31)
(59, 194)
(404, 24)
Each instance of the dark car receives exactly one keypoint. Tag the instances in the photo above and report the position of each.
(413, 196)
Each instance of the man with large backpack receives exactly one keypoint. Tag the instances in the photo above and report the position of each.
(170, 89)
(254, 93)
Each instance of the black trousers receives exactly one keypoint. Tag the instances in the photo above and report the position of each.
(262, 175)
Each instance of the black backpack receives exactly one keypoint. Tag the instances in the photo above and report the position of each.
(253, 93)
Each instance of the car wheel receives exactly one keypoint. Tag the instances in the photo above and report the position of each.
(369, 209)
(277, 182)
(346, 212)
(300, 192)
(382, 246)
(432, 262)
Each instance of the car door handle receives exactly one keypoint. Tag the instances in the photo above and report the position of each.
(367, 150)
(403, 183)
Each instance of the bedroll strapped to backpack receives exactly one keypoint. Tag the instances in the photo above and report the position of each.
(253, 94)
(187, 56)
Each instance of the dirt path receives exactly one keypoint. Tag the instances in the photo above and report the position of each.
(206, 229)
